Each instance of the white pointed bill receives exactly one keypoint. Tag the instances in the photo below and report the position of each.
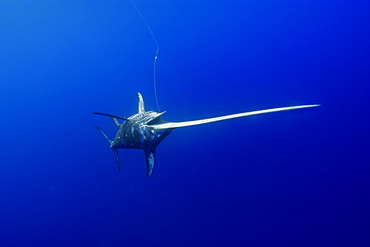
(172, 125)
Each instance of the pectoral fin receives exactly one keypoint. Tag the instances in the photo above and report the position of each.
(150, 159)
(172, 125)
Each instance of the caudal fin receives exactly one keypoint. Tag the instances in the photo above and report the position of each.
(113, 117)
(110, 145)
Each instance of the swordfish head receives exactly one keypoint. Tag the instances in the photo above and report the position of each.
(135, 133)
(146, 129)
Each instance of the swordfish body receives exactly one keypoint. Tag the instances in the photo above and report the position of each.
(146, 129)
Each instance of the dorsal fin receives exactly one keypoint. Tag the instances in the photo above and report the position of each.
(141, 103)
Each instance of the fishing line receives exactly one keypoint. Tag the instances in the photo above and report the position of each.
(156, 54)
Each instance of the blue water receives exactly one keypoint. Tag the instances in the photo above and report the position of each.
(298, 178)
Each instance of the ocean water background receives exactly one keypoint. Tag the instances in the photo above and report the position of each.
(298, 178)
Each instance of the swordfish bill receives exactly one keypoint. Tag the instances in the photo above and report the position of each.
(172, 125)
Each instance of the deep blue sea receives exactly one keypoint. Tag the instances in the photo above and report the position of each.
(293, 178)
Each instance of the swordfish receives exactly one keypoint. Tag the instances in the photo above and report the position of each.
(146, 129)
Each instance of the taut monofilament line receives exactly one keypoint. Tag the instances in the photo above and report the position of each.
(156, 54)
